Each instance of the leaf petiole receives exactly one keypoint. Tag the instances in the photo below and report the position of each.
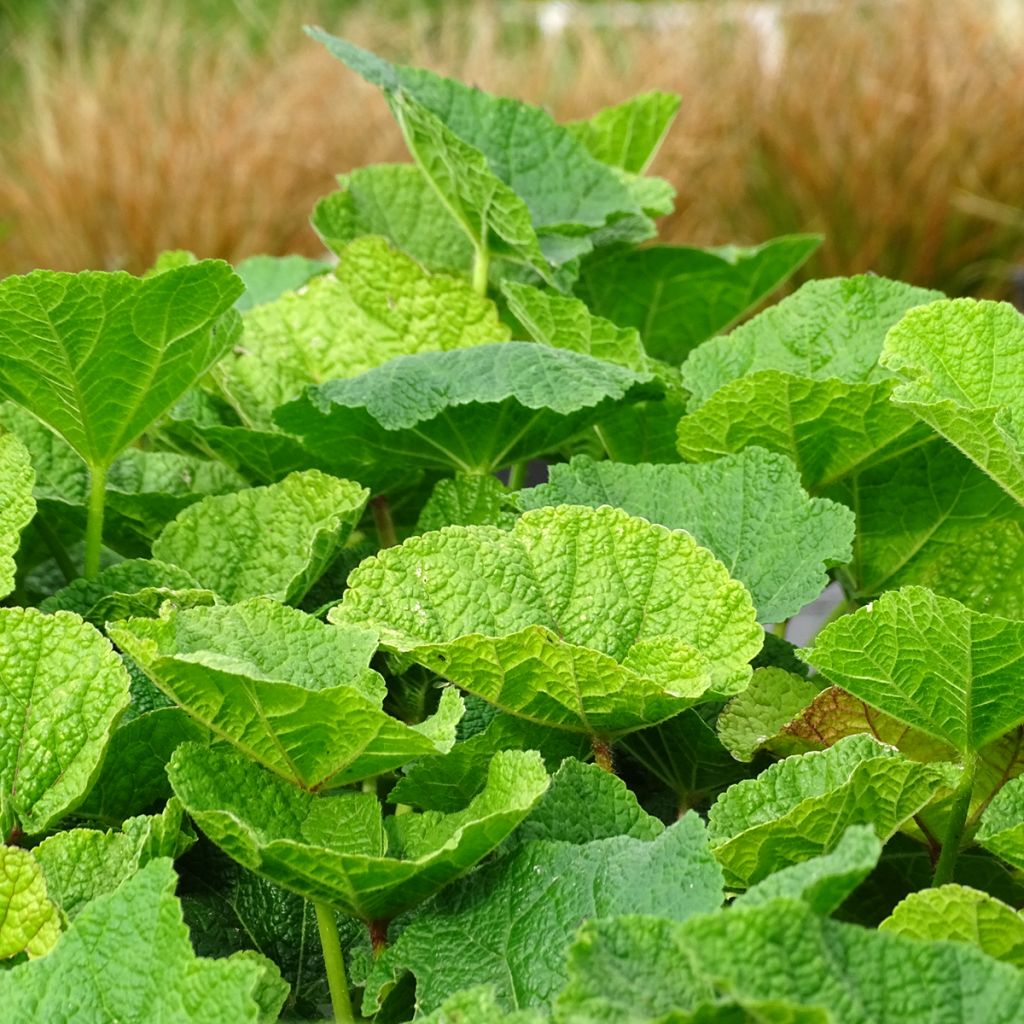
(957, 820)
(334, 963)
(94, 519)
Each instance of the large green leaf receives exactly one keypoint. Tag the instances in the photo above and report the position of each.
(962, 362)
(677, 296)
(633, 969)
(377, 304)
(799, 807)
(749, 509)
(335, 849)
(628, 135)
(291, 693)
(29, 919)
(126, 957)
(273, 541)
(17, 507)
(510, 923)
(830, 328)
(62, 688)
(99, 356)
(930, 662)
(464, 500)
(474, 410)
(583, 619)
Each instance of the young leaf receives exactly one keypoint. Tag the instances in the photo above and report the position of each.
(960, 914)
(511, 922)
(962, 361)
(628, 135)
(99, 356)
(17, 506)
(749, 509)
(333, 849)
(224, 543)
(1002, 824)
(127, 957)
(291, 693)
(266, 278)
(581, 619)
(929, 662)
(473, 410)
(677, 296)
(798, 807)
(29, 920)
(475, 500)
(63, 689)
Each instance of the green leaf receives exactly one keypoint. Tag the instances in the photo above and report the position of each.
(478, 1004)
(565, 322)
(29, 920)
(99, 356)
(631, 969)
(677, 296)
(960, 914)
(962, 361)
(510, 923)
(225, 544)
(378, 304)
(473, 410)
(827, 329)
(266, 278)
(17, 506)
(628, 135)
(291, 693)
(749, 509)
(468, 501)
(1002, 825)
(798, 808)
(824, 882)
(81, 864)
(62, 688)
(930, 662)
(400, 204)
(582, 619)
(333, 849)
(126, 957)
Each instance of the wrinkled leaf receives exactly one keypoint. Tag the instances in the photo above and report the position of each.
(628, 134)
(29, 919)
(266, 278)
(17, 506)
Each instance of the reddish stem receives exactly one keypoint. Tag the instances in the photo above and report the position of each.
(378, 936)
(602, 754)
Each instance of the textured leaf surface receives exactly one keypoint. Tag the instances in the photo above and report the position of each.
(962, 362)
(584, 619)
(29, 921)
(628, 135)
(749, 509)
(291, 693)
(62, 687)
(378, 304)
(510, 923)
(266, 278)
(677, 296)
(639, 968)
(472, 410)
(334, 849)
(961, 914)
(270, 541)
(930, 662)
(98, 356)
(1002, 824)
(467, 501)
(127, 957)
(798, 808)
(17, 506)
(831, 328)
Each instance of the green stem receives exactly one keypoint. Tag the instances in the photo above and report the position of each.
(481, 268)
(94, 520)
(845, 607)
(779, 628)
(334, 962)
(59, 552)
(957, 820)
(381, 511)
(517, 476)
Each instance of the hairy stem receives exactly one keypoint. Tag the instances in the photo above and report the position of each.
(481, 268)
(517, 476)
(381, 511)
(602, 753)
(334, 963)
(957, 820)
(94, 519)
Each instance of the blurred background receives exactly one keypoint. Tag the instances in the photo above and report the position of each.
(894, 127)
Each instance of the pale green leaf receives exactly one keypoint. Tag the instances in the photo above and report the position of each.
(126, 957)
(1002, 825)
(29, 920)
(583, 619)
(479, 1004)
(99, 356)
(749, 509)
(333, 849)
(628, 134)
(17, 506)
(62, 688)
(475, 500)
(268, 277)
(273, 541)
